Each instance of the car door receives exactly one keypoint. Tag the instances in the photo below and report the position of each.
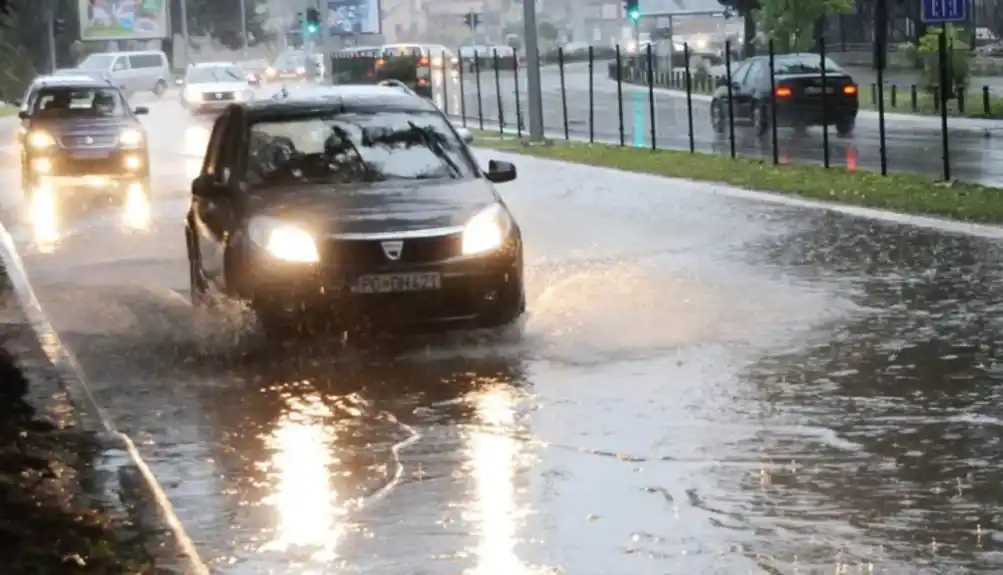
(758, 82)
(120, 73)
(212, 215)
(746, 93)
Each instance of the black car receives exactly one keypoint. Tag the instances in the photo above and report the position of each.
(359, 205)
(803, 97)
(78, 130)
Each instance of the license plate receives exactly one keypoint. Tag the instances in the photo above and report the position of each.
(89, 154)
(814, 90)
(396, 283)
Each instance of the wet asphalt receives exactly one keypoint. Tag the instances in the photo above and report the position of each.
(704, 384)
(912, 144)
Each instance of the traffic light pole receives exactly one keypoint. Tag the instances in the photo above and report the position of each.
(184, 31)
(534, 95)
(51, 32)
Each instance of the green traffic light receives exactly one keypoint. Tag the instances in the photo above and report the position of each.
(311, 28)
(635, 15)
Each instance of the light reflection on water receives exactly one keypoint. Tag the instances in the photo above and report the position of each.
(494, 459)
(305, 501)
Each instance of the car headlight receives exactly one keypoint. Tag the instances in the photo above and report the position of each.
(193, 96)
(270, 72)
(486, 231)
(283, 240)
(301, 70)
(244, 95)
(130, 138)
(41, 140)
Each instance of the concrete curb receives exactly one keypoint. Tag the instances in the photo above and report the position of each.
(92, 416)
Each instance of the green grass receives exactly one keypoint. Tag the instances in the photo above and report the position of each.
(905, 193)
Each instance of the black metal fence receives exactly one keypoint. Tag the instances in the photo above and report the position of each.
(644, 100)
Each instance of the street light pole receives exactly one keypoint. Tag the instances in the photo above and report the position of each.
(243, 28)
(184, 30)
(534, 94)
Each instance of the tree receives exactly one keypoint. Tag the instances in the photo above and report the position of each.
(221, 20)
(791, 23)
(746, 9)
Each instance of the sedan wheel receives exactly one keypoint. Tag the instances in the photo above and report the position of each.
(760, 121)
(717, 117)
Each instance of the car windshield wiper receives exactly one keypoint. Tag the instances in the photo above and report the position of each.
(431, 138)
(367, 173)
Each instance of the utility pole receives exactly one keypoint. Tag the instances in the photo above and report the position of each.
(184, 30)
(243, 27)
(534, 95)
(51, 31)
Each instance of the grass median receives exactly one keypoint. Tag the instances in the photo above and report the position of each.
(906, 193)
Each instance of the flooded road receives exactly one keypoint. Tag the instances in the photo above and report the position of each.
(704, 383)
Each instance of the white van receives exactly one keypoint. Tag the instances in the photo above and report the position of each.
(144, 71)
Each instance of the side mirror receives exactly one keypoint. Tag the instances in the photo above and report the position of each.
(466, 135)
(179, 82)
(141, 111)
(23, 114)
(206, 187)
(500, 172)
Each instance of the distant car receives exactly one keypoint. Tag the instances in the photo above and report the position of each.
(296, 65)
(80, 132)
(212, 86)
(138, 71)
(255, 70)
(357, 206)
(798, 91)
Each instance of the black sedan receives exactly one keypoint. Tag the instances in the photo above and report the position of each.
(805, 95)
(360, 206)
(81, 132)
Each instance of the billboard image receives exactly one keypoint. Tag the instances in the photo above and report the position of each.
(350, 17)
(123, 19)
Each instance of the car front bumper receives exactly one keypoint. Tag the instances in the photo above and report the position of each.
(813, 113)
(475, 291)
(69, 167)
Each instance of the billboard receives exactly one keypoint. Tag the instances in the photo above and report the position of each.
(123, 19)
(352, 17)
(679, 7)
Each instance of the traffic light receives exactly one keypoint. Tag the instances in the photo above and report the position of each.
(59, 26)
(312, 20)
(631, 10)
(299, 22)
(472, 20)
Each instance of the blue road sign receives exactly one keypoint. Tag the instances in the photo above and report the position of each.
(945, 11)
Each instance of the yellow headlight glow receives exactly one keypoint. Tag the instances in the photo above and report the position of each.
(41, 140)
(283, 240)
(130, 137)
(486, 231)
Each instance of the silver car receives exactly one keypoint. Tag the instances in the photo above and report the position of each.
(145, 71)
(212, 86)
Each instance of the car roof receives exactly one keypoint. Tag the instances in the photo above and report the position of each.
(71, 81)
(129, 53)
(334, 98)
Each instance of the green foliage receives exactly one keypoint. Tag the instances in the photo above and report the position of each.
(790, 22)
(959, 59)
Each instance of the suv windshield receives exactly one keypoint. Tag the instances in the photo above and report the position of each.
(210, 74)
(357, 146)
(68, 102)
(97, 62)
(290, 60)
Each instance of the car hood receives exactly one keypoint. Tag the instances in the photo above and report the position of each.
(382, 208)
(218, 87)
(91, 126)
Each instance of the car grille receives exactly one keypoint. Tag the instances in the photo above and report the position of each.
(367, 254)
(217, 96)
(86, 141)
(76, 166)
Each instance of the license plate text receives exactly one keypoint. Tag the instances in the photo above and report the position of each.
(396, 283)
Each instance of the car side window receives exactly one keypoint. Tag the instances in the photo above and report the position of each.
(215, 147)
(757, 74)
(120, 64)
(738, 75)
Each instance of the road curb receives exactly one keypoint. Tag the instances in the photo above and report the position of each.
(92, 416)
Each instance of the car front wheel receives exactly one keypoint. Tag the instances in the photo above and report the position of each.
(717, 117)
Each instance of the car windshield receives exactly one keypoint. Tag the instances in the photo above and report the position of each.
(211, 74)
(290, 60)
(97, 62)
(68, 102)
(807, 64)
(352, 147)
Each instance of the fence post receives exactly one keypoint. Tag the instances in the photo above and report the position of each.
(689, 97)
(592, 97)
(731, 95)
(501, 109)
(651, 99)
(825, 103)
(619, 94)
(564, 92)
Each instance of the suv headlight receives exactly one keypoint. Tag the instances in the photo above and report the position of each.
(40, 140)
(192, 95)
(487, 231)
(283, 240)
(130, 138)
